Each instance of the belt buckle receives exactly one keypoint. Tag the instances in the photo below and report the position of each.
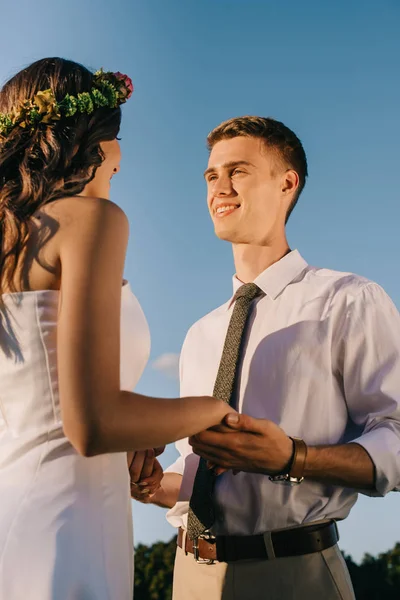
(196, 553)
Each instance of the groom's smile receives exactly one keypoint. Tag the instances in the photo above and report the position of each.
(224, 209)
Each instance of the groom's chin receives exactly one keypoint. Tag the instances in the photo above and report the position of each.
(226, 234)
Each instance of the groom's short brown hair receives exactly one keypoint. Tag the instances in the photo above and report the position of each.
(275, 135)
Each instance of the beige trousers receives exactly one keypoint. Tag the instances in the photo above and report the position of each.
(319, 576)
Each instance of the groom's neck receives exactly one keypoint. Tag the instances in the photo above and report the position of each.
(251, 260)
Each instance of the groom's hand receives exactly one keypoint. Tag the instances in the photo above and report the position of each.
(243, 443)
(146, 474)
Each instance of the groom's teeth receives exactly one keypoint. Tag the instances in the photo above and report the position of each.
(222, 209)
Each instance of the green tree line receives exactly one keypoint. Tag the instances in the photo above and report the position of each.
(375, 578)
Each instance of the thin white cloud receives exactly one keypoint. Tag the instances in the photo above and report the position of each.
(168, 364)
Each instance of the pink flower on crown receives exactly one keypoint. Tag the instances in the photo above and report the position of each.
(126, 88)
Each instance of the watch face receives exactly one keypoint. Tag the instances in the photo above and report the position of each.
(286, 479)
(295, 480)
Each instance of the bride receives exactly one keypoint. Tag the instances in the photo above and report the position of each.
(73, 342)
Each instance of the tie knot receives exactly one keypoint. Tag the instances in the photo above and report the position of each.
(248, 291)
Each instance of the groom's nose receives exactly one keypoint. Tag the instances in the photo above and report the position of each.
(223, 186)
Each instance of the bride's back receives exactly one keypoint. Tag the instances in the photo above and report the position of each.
(65, 519)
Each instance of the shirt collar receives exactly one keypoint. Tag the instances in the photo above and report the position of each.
(277, 277)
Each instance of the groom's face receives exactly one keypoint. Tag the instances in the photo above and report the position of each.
(245, 183)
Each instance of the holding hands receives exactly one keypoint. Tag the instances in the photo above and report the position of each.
(145, 473)
(243, 443)
(238, 443)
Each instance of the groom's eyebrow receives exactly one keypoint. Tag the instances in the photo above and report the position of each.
(228, 165)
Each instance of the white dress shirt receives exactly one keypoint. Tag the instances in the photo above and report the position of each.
(321, 358)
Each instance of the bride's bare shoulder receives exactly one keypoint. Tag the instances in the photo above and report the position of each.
(77, 214)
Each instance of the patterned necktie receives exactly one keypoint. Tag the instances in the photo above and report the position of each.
(201, 507)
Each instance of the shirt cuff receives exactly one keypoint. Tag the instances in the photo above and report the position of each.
(383, 447)
(177, 467)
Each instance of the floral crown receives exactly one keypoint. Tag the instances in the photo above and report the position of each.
(109, 90)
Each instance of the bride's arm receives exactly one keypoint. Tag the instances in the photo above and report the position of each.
(98, 417)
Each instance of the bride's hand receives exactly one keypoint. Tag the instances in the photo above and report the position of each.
(225, 409)
(221, 427)
(146, 474)
(211, 412)
(157, 451)
(140, 464)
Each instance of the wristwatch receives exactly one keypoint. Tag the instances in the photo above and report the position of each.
(295, 472)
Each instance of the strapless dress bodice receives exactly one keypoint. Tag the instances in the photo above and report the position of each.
(65, 520)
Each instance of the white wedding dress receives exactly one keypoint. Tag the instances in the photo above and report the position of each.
(65, 520)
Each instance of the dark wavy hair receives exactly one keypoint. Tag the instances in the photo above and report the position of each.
(55, 160)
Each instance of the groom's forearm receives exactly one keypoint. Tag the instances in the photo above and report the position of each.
(347, 465)
(167, 495)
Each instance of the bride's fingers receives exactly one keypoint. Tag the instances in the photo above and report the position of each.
(153, 482)
(145, 489)
(136, 494)
(137, 465)
(148, 465)
(129, 457)
(157, 470)
(159, 450)
(149, 490)
(143, 498)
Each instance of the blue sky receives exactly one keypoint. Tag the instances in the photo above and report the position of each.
(330, 71)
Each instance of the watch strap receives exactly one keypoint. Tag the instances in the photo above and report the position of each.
(299, 458)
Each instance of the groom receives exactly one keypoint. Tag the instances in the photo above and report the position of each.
(311, 360)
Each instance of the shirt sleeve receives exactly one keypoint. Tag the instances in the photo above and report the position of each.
(371, 379)
(177, 467)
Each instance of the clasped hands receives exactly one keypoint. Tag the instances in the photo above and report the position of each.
(239, 443)
(244, 443)
(145, 473)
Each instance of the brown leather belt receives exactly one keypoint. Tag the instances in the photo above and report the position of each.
(283, 543)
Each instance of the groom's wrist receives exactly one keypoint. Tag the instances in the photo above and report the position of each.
(167, 494)
(289, 462)
(281, 464)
